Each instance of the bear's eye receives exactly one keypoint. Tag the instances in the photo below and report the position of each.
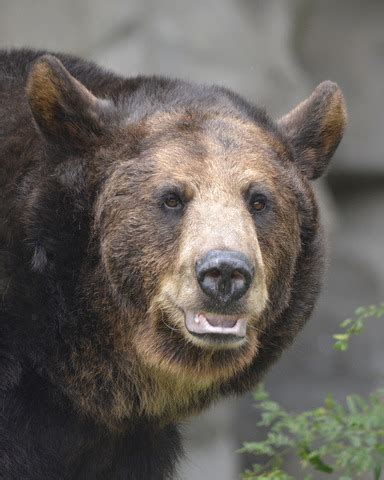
(258, 202)
(173, 201)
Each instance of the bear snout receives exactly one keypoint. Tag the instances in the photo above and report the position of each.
(224, 276)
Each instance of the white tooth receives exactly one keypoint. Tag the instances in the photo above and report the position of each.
(197, 319)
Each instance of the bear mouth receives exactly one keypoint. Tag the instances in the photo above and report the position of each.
(211, 328)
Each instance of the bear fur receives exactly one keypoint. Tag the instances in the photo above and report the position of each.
(111, 189)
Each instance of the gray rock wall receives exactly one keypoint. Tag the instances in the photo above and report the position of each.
(274, 52)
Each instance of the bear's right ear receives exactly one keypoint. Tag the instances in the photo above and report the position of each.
(315, 128)
(66, 112)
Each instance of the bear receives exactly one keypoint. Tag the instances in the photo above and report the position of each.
(160, 246)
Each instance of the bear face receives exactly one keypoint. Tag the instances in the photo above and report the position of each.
(204, 250)
(235, 194)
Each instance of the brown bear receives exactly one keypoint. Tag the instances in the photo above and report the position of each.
(160, 246)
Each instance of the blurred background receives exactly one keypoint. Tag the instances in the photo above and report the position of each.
(274, 52)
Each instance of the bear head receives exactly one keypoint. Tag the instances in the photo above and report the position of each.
(202, 254)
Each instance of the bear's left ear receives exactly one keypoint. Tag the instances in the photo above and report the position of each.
(66, 112)
(315, 128)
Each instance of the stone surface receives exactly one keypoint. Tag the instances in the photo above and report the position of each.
(78, 26)
(210, 445)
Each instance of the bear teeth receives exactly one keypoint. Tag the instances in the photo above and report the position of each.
(226, 325)
(200, 318)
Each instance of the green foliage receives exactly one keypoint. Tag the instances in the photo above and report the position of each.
(354, 326)
(345, 440)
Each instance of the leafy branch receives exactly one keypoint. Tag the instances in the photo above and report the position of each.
(354, 326)
(344, 439)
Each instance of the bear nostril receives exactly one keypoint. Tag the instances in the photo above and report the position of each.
(238, 280)
(214, 273)
(224, 275)
(236, 275)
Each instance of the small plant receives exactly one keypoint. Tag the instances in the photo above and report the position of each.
(354, 326)
(344, 440)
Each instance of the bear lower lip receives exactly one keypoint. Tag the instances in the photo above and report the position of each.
(202, 323)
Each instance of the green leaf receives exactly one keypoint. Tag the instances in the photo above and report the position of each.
(341, 336)
(330, 402)
(318, 463)
(380, 449)
(260, 394)
(340, 345)
(360, 311)
(377, 472)
(345, 323)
